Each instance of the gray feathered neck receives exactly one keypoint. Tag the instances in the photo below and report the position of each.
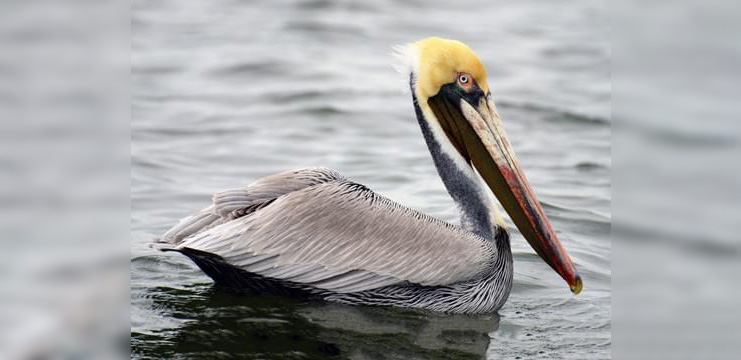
(476, 209)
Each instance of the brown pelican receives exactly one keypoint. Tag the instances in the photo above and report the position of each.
(313, 232)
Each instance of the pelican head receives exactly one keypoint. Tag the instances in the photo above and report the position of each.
(452, 95)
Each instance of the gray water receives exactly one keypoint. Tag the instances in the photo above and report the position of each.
(224, 93)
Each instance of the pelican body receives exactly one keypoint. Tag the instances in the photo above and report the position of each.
(315, 233)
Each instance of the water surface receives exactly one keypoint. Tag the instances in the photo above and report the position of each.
(226, 93)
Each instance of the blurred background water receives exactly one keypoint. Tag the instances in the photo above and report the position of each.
(226, 92)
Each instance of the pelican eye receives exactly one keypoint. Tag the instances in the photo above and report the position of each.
(465, 81)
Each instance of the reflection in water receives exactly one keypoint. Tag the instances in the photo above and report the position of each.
(217, 322)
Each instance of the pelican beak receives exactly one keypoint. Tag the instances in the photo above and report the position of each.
(471, 122)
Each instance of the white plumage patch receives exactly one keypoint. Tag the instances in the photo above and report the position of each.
(406, 63)
(406, 59)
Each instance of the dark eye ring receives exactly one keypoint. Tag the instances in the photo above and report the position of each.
(463, 79)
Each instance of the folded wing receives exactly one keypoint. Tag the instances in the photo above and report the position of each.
(313, 227)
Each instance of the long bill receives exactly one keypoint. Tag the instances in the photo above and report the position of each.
(478, 134)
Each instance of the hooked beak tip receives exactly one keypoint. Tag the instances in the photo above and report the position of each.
(577, 286)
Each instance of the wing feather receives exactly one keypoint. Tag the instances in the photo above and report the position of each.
(337, 235)
(231, 204)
